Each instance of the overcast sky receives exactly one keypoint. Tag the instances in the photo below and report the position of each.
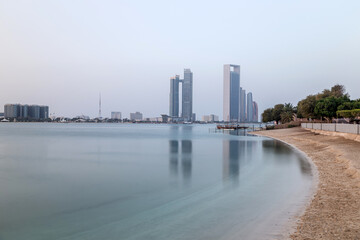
(63, 53)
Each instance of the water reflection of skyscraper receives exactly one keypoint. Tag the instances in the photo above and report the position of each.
(235, 154)
(173, 160)
(281, 149)
(185, 155)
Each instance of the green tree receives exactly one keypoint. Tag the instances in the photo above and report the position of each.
(325, 93)
(305, 108)
(286, 117)
(278, 109)
(338, 91)
(267, 115)
(327, 107)
(350, 105)
(288, 107)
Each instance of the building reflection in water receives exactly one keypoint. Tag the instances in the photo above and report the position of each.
(180, 151)
(186, 150)
(174, 157)
(235, 154)
(284, 152)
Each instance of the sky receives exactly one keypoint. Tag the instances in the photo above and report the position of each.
(62, 53)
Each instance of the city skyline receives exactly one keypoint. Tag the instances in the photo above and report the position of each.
(296, 47)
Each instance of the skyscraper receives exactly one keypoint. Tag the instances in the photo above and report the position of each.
(231, 93)
(44, 112)
(242, 105)
(11, 110)
(34, 112)
(24, 111)
(255, 112)
(250, 110)
(187, 85)
(174, 96)
(186, 98)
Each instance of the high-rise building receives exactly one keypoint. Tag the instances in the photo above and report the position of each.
(137, 116)
(24, 111)
(44, 112)
(174, 96)
(231, 93)
(242, 110)
(255, 112)
(250, 111)
(32, 112)
(116, 115)
(12, 110)
(193, 118)
(187, 94)
(186, 98)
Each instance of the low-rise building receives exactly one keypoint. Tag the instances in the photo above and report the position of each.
(210, 118)
(116, 115)
(137, 116)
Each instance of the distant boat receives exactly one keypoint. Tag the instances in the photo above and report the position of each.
(231, 127)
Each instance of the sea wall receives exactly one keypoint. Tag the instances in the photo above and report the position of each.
(348, 131)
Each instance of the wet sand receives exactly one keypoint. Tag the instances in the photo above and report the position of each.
(334, 210)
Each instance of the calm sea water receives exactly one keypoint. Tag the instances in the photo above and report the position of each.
(138, 181)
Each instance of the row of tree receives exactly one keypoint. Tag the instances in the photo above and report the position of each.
(324, 106)
(280, 112)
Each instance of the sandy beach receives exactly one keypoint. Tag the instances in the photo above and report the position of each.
(334, 210)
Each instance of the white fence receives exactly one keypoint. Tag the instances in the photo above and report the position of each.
(334, 127)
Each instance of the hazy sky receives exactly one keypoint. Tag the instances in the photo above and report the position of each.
(63, 53)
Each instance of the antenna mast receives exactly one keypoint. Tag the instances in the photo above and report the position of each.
(99, 105)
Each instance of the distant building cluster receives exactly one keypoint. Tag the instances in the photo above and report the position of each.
(186, 98)
(116, 115)
(26, 112)
(210, 118)
(237, 105)
(137, 116)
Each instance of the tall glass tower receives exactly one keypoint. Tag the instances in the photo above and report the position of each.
(242, 110)
(174, 96)
(250, 110)
(231, 96)
(187, 94)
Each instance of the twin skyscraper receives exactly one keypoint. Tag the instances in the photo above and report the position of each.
(187, 97)
(237, 105)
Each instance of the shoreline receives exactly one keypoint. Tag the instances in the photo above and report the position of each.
(294, 214)
(333, 207)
